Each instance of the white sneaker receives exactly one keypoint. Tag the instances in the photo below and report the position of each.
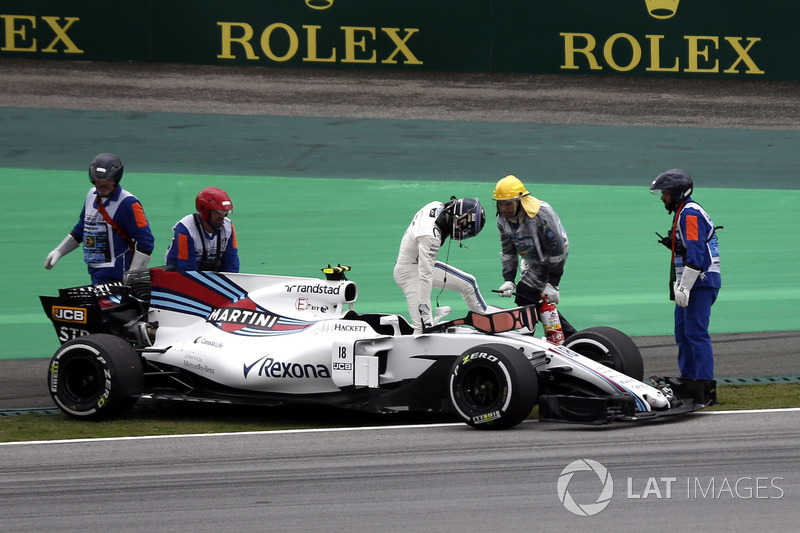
(440, 313)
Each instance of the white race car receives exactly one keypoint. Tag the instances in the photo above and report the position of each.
(271, 340)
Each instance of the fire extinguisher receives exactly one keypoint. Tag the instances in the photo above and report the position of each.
(552, 324)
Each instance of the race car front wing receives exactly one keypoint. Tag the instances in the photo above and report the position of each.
(685, 395)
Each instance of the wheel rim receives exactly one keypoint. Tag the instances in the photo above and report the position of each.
(482, 387)
(82, 379)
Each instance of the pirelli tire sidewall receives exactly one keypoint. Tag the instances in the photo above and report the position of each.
(493, 386)
(95, 377)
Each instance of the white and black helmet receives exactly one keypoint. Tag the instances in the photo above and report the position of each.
(467, 218)
(677, 182)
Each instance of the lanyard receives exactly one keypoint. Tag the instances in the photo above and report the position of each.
(218, 259)
(674, 227)
(110, 221)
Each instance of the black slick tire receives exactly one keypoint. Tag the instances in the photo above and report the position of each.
(610, 347)
(493, 386)
(95, 377)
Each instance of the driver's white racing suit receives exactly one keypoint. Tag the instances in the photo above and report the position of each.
(417, 271)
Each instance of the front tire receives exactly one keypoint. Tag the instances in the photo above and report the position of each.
(493, 386)
(95, 377)
(610, 347)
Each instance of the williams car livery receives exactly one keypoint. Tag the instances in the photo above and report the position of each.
(243, 338)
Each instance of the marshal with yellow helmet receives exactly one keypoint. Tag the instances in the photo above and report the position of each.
(534, 244)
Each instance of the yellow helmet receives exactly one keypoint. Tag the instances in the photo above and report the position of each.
(509, 188)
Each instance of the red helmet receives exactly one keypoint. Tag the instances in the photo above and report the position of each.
(212, 199)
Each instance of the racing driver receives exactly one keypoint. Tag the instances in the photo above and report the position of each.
(417, 271)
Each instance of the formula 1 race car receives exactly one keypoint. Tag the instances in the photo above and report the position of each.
(271, 340)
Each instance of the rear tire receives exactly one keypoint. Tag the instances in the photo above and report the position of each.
(610, 347)
(95, 377)
(493, 386)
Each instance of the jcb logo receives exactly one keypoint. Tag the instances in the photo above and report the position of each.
(69, 314)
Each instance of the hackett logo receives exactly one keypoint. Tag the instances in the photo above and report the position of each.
(662, 9)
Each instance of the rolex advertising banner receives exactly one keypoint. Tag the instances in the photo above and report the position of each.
(674, 38)
(662, 38)
(404, 34)
(89, 29)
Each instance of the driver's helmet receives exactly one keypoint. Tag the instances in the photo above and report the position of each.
(677, 182)
(105, 166)
(212, 199)
(467, 218)
(509, 188)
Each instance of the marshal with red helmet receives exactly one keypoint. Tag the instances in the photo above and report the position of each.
(205, 240)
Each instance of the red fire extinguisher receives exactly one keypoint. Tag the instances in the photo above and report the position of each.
(552, 324)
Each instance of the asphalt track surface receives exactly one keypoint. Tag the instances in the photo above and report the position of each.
(515, 99)
(707, 472)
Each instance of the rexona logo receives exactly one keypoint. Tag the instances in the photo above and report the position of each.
(662, 52)
(268, 367)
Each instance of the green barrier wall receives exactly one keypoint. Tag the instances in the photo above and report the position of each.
(312, 191)
(661, 38)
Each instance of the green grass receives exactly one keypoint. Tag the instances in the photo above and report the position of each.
(768, 396)
(203, 419)
(180, 419)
